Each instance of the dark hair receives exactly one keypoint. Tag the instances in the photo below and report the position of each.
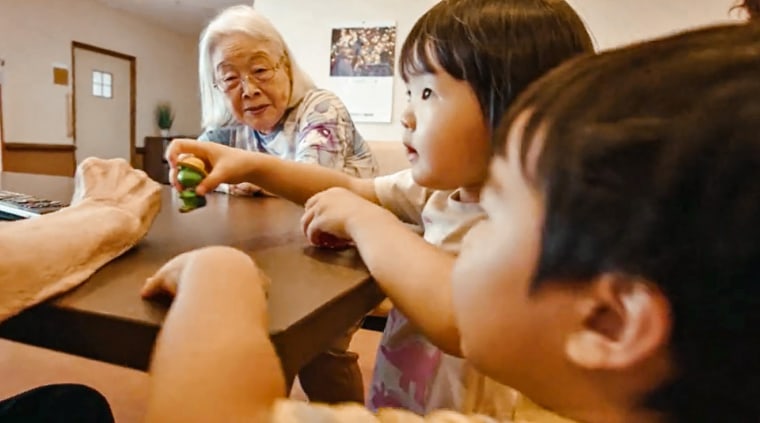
(498, 46)
(650, 167)
(752, 7)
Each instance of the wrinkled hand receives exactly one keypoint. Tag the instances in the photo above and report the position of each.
(225, 164)
(331, 216)
(245, 189)
(116, 183)
(171, 275)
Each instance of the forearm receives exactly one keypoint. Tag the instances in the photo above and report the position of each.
(415, 276)
(45, 256)
(298, 182)
(213, 360)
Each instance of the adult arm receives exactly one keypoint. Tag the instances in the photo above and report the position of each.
(112, 209)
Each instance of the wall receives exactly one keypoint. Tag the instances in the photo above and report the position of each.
(615, 23)
(306, 27)
(43, 159)
(38, 33)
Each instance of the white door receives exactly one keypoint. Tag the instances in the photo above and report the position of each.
(102, 105)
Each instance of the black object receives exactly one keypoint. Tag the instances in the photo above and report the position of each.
(57, 403)
(22, 206)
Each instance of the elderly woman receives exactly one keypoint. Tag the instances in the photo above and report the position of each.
(254, 96)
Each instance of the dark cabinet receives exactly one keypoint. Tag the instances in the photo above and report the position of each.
(154, 163)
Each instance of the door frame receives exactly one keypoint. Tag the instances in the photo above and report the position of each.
(132, 93)
(2, 127)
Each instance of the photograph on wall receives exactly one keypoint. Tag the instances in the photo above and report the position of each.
(362, 60)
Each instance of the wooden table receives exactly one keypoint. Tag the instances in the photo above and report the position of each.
(315, 296)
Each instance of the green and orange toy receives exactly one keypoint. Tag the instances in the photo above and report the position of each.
(192, 171)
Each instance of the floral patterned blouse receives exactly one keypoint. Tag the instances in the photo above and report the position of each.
(317, 130)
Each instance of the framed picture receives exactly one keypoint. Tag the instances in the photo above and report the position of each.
(361, 69)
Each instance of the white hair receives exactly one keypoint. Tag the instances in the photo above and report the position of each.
(236, 19)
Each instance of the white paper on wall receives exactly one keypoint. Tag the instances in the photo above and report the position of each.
(362, 67)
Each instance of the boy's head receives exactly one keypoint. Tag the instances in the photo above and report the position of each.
(751, 7)
(497, 46)
(618, 275)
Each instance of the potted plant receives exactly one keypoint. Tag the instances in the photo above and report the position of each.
(164, 118)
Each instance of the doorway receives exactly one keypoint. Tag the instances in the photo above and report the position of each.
(104, 103)
(2, 133)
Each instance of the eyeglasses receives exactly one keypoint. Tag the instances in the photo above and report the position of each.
(258, 73)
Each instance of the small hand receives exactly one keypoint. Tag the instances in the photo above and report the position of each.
(225, 164)
(331, 215)
(116, 183)
(171, 275)
(166, 279)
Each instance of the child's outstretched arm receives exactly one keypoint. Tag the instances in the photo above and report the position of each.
(213, 359)
(294, 181)
(414, 274)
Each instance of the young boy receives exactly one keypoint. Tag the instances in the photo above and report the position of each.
(751, 8)
(617, 278)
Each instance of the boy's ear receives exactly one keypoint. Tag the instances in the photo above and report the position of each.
(624, 320)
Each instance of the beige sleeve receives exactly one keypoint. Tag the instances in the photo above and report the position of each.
(48, 255)
(402, 196)
(112, 208)
(287, 411)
